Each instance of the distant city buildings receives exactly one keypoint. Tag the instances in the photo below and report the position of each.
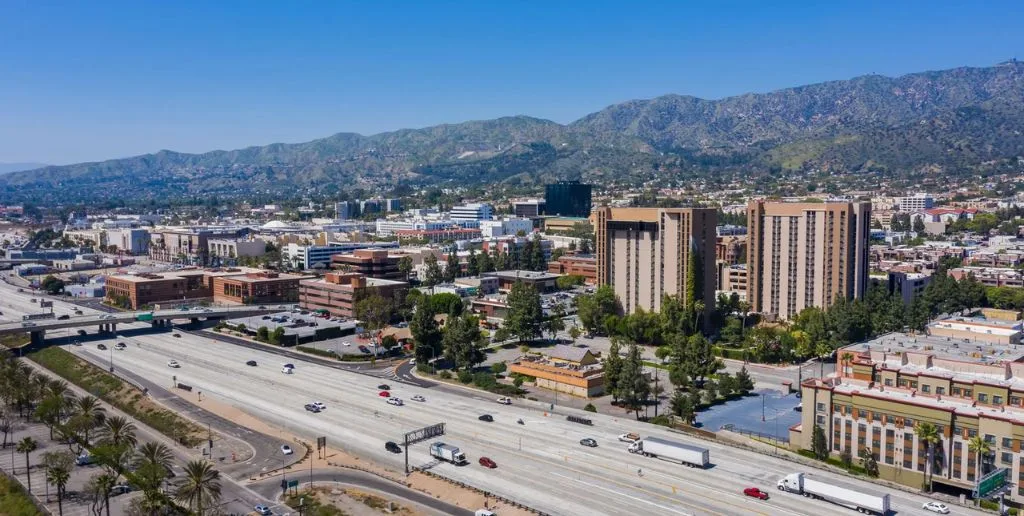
(529, 208)
(805, 254)
(916, 202)
(568, 199)
(472, 211)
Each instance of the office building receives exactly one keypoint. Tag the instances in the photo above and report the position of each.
(567, 199)
(529, 208)
(338, 293)
(916, 202)
(132, 241)
(308, 256)
(647, 253)
(346, 210)
(372, 263)
(370, 206)
(805, 254)
(565, 369)
(584, 265)
(503, 227)
(885, 388)
(259, 287)
(472, 211)
(393, 205)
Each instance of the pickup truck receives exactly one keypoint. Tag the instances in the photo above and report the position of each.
(629, 438)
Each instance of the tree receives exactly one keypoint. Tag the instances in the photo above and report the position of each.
(744, 384)
(374, 311)
(263, 334)
(726, 384)
(27, 446)
(432, 274)
(58, 471)
(594, 309)
(405, 266)
(498, 368)
(485, 262)
(613, 370)
(276, 335)
(472, 264)
(819, 445)
(460, 342)
(574, 333)
(539, 263)
(425, 334)
(445, 303)
(554, 324)
(569, 281)
(633, 385)
(980, 448)
(117, 431)
(868, 462)
(200, 487)
(524, 312)
(152, 464)
(928, 434)
(451, 267)
(52, 285)
(98, 488)
(683, 406)
(918, 226)
(846, 458)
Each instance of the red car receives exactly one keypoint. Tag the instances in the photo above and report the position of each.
(755, 493)
(384, 394)
(487, 463)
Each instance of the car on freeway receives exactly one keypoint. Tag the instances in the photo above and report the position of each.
(936, 507)
(64, 317)
(263, 510)
(262, 307)
(488, 463)
(174, 364)
(82, 333)
(285, 449)
(101, 347)
(486, 417)
(392, 447)
(505, 400)
(395, 401)
(177, 335)
(418, 398)
(120, 346)
(384, 387)
(319, 405)
(287, 370)
(588, 442)
(629, 438)
(384, 394)
(312, 408)
(28, 323)
(251, 363)
(754, 492)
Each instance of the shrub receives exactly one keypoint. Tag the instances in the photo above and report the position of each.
(498, 367)
(327, 353)
(524, 348)
(465, 376)
(484, 381)
(445, 375)
(518, 381)
(590, 407)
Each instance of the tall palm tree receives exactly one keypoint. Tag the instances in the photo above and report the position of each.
(980, 447)
(118, 431)
(846, 358)
(928, 434)
(201, 486)
(59, 389)
(91, 414)
(58, 472)
(152, 464)
(27, 446)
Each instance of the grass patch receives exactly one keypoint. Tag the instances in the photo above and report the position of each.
(14, 341)
(125, 397)
(14, 501)
(311, 505)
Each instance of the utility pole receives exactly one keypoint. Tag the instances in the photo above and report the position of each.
(656, 400)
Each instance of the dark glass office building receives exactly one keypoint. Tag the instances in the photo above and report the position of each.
(568, 199)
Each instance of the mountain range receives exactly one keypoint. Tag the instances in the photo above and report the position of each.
(6, 168)
(957, 121)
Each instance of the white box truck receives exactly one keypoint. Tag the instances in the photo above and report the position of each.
(693, 456)
(832, 491)
(447, 453)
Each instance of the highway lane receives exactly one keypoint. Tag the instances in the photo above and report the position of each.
(550, 471)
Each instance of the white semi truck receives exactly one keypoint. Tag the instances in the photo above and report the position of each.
(677, 452)
(447, 453)
(832, 491)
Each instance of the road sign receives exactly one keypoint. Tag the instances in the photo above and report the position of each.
(990, 482)
(293, 483)
(321, 443)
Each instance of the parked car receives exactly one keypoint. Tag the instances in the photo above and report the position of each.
(120, 489)
(754, 492)
(384, 394)
(101, 347)
(251, 363)
(384, 387)
(418, 398)
(936, 507)
(486, 417)
(488, 463)
(395, 401)
(588, 442)
(174, 364)
(263, 510)
(285, 449)
(392, 447)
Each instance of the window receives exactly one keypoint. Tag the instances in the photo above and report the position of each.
(907, 464)
(1007, 442)
(820, 419)
(982, 397)
(927, 389)
(957, 391)
(957, 445)
(908, 422)
(1006, 457)
(891, 420)
(972, 432)
(913, 384)
(989, 438)
(888, 459)
(940, 390)
(903, 382)
(890, 433)
(888, 382)
(998, 400)
(890, 446)
(821, 407)
(1015, 400)
(968, 393)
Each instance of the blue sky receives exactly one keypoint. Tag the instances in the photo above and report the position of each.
(82, 81)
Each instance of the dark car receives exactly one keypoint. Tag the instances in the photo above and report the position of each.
(754, 492)
(312, 408)
(177, 335)
(82, 333)
(588, 442)
(392, 447)
(251, 363)
(384, 387)
(486, 417)
(64, 317)
(488, 463)
(101, 347)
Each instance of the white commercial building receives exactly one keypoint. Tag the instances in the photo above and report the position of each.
(505, 227)
(306, 256)
(916, 202)
(131, 240)
(473, 211)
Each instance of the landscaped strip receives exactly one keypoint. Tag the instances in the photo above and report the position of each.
(124, 396)
(14, 501)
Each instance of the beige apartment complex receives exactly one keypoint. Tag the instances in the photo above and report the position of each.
(646, 253)
(805, 254)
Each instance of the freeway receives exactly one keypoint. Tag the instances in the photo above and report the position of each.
(540, 463)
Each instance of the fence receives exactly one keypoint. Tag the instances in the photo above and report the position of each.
(759, 436)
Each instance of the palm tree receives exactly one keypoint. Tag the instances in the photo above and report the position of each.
(152, 464)
(846, 358)
(91, 413)
(698, 310)
(980, 447)
(118, 431)
(58, 472)
(201, 486)
(27, 446)
(928, 434)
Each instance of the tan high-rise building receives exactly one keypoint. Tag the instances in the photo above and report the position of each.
(805, 254)
(645, 253)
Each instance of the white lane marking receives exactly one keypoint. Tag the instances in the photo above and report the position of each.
(620, 493)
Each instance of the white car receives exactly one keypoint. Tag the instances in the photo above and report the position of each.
(395, 401)
(287, 370)
(936, 507)
(285, 449)
(418, 398)
(174, 364)
(319, 405)
(505, 400)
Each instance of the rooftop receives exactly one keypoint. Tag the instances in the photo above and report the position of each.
(888, 348)
(523, 275)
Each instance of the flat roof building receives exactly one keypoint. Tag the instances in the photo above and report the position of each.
(568, 199)
(577, 265)
(567, 369)
(338, 293)
(261, 287)
(372, 263)
(542, 281)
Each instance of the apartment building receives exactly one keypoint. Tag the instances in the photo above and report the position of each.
(234, 248)
(916, 202)
(806, 254)
(731, 249)
(990, 276)
(129, 240)
(907, 285)
(372, 263)
(886, 387)
(733, 279)
(338, 293)
(647, 253)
